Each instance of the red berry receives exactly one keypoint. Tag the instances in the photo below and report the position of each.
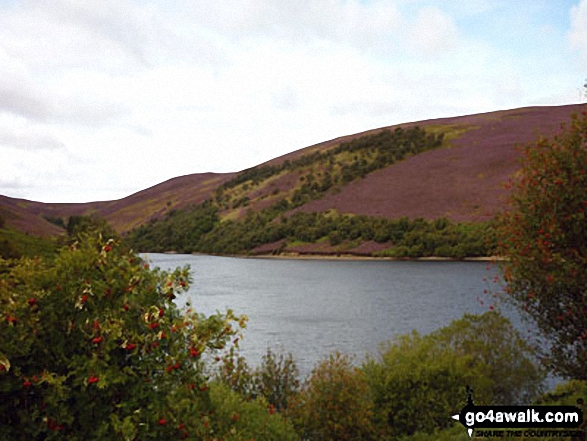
(93, 379)
(97, 339)
(32, 301)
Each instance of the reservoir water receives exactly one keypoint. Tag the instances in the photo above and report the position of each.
(313, 307)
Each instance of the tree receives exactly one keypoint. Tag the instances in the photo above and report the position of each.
(335, 403)
(544, 238)
(93, 347)
(421, 379)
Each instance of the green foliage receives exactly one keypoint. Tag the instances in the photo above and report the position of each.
(181, 231)
(56, 221)
(544, 238)
(508, 361)
(276, 380)
(200, 228)
(455, 432)
(93, 347)
(370, 153)
(566, 393)
(406, 238)
(77, 226)
(15, 244)
(422, 379)
(238, 419)
(335, 404)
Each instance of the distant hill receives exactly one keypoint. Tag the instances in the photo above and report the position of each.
(122, 214)
(453, 168)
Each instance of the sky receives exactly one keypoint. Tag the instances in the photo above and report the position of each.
(100, 99)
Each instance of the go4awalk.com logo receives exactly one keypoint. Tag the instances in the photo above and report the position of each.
(528, 421)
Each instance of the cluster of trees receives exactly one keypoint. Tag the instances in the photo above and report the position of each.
(201, 230)
(407, 391)
(92, 346)
(323, 170)
(181, 230)
(15, 244)
(382, 149)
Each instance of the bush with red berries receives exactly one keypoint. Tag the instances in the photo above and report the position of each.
(92, 346)
(544, 238)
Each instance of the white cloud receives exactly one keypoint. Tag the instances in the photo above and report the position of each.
(102, 98)
(351, 22)
(433, 31)
(29, 139)
(578, 33)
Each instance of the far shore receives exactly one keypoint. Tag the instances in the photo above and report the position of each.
(309, 256)
(343, 256)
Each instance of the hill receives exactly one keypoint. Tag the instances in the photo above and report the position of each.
(122, 214)
(453, 168)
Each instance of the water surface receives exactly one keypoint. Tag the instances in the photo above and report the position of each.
(314, 307)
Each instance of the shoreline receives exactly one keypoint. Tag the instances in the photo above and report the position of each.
(349, 257)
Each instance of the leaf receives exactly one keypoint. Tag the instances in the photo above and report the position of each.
(4, 363)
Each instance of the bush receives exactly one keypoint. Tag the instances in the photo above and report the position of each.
(276, 380)
(422, 379)
(93, 347)
(335, 404)
(235, 418)
(545, 241)
(507, 361)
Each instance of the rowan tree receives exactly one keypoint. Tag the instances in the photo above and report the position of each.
(544, 238)
(92, 346)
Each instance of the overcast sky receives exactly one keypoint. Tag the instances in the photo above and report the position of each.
(100, 99)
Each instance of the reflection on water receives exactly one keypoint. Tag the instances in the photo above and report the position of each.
(314, 307)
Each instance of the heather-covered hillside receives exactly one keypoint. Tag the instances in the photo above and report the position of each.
(452, 169)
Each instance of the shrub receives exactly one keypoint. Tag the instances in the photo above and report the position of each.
(335, 404)
(93, 347)
(276, 380)
(545, 241)
(235, 418)
(422, 379)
